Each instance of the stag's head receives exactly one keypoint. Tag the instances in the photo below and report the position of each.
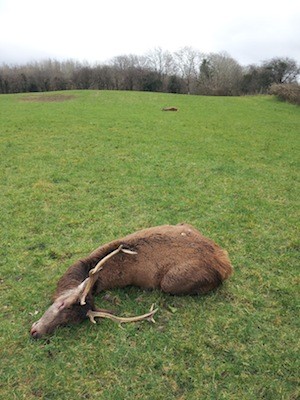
(76, 304)
(68, 308)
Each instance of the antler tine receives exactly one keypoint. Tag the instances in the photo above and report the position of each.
(100, 314)
(94, 273)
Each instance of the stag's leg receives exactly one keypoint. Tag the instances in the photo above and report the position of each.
(190, 279)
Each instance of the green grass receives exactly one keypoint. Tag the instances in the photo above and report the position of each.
(81, 172)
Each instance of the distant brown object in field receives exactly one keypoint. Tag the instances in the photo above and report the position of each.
(170, 109)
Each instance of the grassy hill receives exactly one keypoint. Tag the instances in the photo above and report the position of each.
(79, 169)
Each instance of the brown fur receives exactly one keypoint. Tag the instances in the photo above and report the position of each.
(176, 259)
(170, 109)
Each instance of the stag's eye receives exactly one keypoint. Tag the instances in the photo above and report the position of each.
(61, 305)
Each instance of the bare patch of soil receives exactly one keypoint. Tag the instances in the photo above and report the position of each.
(45, 98)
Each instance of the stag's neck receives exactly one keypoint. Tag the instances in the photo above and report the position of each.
(79, 271)
(73, 277)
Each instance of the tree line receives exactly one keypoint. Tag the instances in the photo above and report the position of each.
(187, 71)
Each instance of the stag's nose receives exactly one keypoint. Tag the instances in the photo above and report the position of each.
(34, 333)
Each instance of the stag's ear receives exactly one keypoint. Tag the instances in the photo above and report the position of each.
(70, 297)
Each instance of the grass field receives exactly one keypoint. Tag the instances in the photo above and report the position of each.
(81, 168)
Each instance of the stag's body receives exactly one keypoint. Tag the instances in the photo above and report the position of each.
(175, 259)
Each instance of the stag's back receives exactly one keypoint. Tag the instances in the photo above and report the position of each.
(174, 258)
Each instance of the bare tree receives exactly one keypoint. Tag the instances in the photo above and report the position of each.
(126, 71)
(83, 77)
(220, 74)
(187, 64)
(103, 78)
(161, 63)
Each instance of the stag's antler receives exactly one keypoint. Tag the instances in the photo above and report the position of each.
(94, 273)
(149, 316)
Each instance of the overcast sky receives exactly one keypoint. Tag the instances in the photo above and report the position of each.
(97, 30)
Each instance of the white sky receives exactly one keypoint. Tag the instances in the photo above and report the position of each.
(97, 30)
